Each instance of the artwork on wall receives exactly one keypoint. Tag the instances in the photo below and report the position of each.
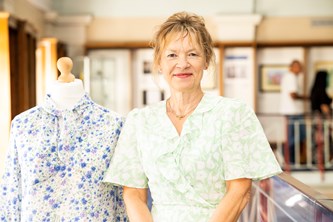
(238, 74)
(328, 66)
(270, 77)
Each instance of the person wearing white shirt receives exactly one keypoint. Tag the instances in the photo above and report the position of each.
(292, 106)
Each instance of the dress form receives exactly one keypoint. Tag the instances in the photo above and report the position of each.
(66, 91)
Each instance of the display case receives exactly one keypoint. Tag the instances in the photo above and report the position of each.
(106, 77)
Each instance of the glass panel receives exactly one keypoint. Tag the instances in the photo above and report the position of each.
(103, 81)
(276, 200)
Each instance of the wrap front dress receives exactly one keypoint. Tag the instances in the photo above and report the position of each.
(186, 174)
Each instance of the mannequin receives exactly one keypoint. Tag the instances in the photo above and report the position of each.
(66, 91)
(57, 156)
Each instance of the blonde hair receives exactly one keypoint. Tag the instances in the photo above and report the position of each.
(185, 24)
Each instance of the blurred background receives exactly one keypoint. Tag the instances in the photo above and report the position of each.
(108, 41)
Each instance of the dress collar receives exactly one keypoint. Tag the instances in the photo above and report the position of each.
(207, 103)
(50, 107)
(193, 122)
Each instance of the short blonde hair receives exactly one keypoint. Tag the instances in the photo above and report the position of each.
(183, 23)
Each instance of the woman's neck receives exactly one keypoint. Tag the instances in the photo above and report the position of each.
(183, 102)
(66, 95)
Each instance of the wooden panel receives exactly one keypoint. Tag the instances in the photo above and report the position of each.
(14, 80)
(117, 45)
(22, 68)
(22, 74)
(294, 44)
(32, 46)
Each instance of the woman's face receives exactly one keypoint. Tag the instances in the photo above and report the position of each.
(182, 64)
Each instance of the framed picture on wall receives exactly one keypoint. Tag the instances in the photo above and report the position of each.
(270, 77)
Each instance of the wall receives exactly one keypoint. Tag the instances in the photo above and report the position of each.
(295, 29)
(26, 11)
(105, 29)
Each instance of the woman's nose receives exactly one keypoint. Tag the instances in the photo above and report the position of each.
(182, 62)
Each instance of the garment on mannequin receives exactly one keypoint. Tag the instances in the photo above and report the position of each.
(57, 157)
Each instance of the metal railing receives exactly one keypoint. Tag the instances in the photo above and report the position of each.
(315, 152)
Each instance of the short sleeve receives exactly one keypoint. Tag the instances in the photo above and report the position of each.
(126, 165)
(245, 148)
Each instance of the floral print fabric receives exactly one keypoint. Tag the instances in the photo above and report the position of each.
(56, 163)
(221, 140)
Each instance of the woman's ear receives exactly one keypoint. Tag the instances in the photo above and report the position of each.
(206, 66)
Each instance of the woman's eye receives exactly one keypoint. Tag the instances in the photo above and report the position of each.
(172, 55)
(193, 54)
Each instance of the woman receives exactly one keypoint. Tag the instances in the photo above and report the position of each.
(197, 152)
(320, 101)
(321, 110)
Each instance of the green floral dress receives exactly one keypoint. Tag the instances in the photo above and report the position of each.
(221, 140)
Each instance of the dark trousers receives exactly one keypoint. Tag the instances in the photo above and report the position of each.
(294, 121)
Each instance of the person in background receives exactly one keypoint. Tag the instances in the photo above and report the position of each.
(197, 152)
(321, 111)
(292, 106)
(320, 101)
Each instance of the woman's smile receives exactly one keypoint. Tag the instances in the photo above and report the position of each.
(182, 75)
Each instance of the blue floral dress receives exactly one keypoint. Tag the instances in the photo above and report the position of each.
(56, 163)
(221, 140)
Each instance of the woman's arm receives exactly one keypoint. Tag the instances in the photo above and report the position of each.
(136, 204)
(231, 206)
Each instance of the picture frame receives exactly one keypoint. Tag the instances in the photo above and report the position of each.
(270, 77)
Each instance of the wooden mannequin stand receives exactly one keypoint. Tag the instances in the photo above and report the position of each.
(66, 91)
(65, 66)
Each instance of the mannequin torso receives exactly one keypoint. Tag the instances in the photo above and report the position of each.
(66, 94)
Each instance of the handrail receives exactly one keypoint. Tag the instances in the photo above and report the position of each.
(316, 149)
(284, 198)
(316, 196)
